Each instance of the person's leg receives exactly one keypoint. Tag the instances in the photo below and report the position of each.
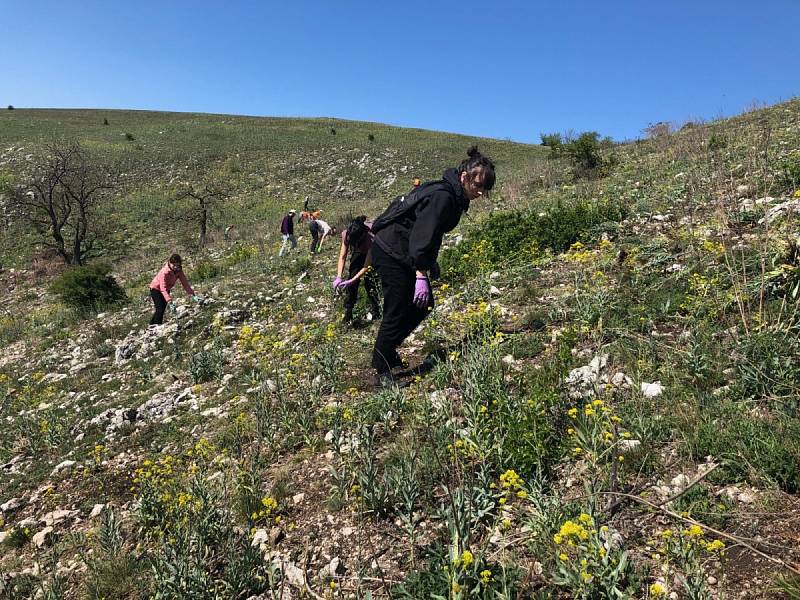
(294, 242)
(314, 242)
(371, 285)
(415, 316)
(160, 305)
(398, 293)
(351, 298)
(283, 245)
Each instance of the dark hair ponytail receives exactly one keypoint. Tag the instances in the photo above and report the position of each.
(478, 162)
(355, 231)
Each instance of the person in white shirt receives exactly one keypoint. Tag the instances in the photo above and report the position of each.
(325, 230)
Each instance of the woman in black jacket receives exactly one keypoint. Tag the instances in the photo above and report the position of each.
(406, 247)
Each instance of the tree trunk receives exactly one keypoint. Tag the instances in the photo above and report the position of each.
(203, 227)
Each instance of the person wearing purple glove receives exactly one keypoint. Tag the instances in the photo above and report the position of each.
(408, 236)
(356, 241)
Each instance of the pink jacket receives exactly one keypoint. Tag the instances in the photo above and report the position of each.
(165, 280)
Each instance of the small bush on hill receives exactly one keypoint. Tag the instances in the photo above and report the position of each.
(205, 270)
(303, 263)
(89, 288)
(233, 165)
(555, 142)
(10, 107)
(586, 157)
(716, 142)
(129, 137)
(206, 365)
(551, 140)
(511, 235)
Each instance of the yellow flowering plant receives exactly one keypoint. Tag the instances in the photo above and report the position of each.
(682, 552)
(595, 433)
(589, 563)
(469, 576)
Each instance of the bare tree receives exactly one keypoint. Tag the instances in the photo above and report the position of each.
(63, 199)
(207, 199)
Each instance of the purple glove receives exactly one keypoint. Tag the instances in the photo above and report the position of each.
(337, 282)
(422, 292)
(347, 284)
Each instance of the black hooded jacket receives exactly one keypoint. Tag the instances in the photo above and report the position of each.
(415, 239)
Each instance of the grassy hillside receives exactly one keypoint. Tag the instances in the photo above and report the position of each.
(612, 411)
(267, 165)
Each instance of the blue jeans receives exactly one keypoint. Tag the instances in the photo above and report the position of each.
(287, 238)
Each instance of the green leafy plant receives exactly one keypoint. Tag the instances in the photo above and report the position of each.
(206, 365)
(89, 288)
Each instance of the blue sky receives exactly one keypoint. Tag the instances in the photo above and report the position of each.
(503, 69)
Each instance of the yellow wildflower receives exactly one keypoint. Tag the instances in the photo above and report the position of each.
(466, 558)
(694, 531)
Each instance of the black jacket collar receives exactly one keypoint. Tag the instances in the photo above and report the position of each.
(451, 177)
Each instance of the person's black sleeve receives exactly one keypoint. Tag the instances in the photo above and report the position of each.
(436, 272)
(426, 233)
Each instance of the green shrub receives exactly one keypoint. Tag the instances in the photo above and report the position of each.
(555, 142)
(241, 254)
(510, 235)
(699, 502)
(303, 263)
(206, 365)
(88, 288)
(586, 156)
(716, 142)
(205, 270)
(18, 537)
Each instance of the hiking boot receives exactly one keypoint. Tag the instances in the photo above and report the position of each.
(384, 381)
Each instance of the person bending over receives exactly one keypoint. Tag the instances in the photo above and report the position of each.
(408, 236)
(163, 283)
(357, 241)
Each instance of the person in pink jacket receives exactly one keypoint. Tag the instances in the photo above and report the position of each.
(163, 282)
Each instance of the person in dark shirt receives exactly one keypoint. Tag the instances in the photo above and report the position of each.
(287, 231)
(406, 249)
(357, 241)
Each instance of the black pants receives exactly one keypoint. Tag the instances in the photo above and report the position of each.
(314, 240)
(160, 304)
(356, 263)
(400, 315)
